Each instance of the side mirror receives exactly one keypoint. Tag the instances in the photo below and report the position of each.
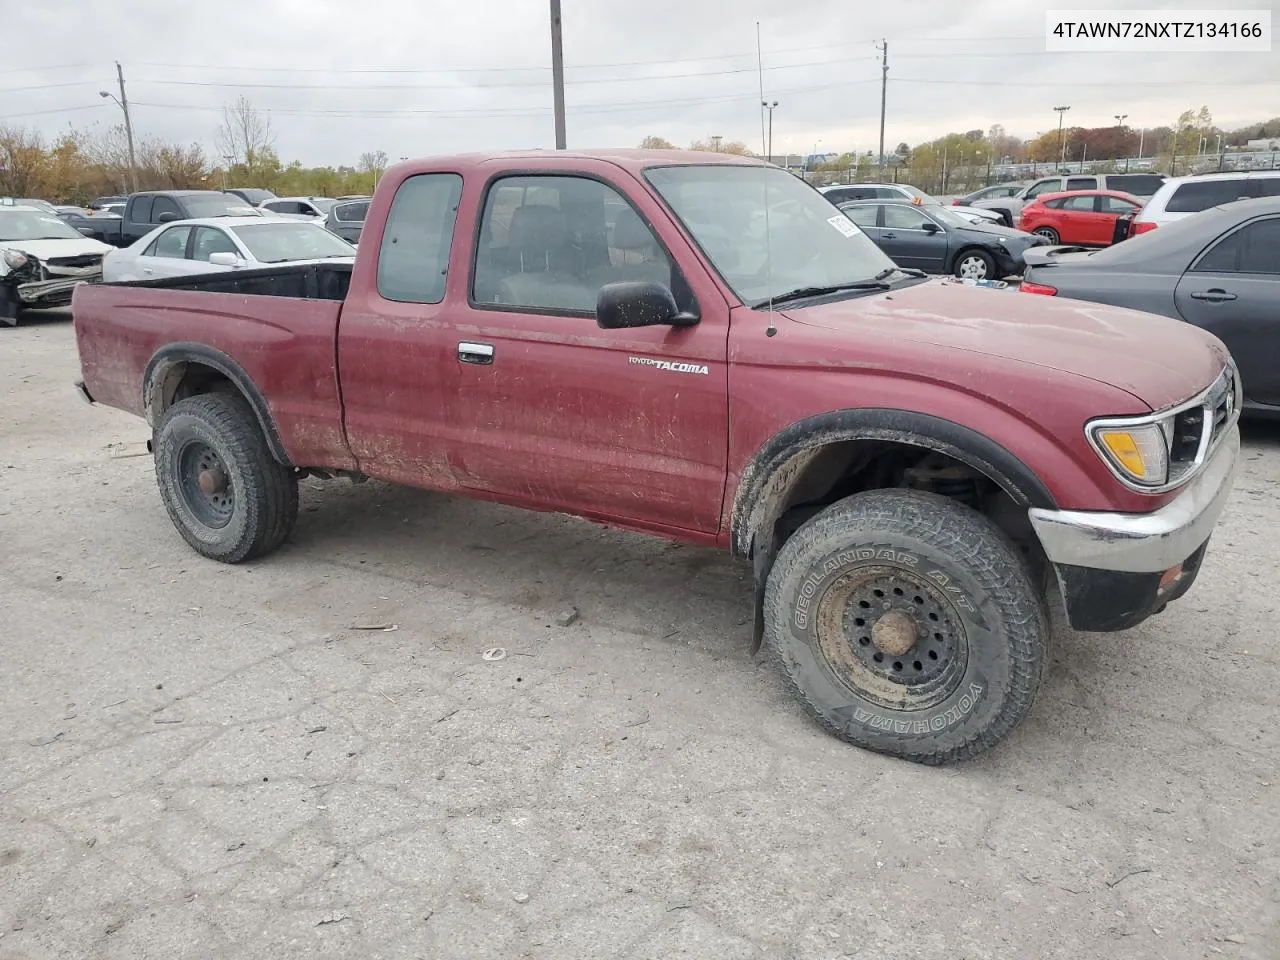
(620, 306)
(87, 231)
(930, 227)
(224, 260)
(167, 217)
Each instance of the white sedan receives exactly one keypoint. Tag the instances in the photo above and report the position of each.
(213, 244)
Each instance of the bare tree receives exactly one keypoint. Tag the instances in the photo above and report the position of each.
(245, 134)
(373, 161)
(656, 143)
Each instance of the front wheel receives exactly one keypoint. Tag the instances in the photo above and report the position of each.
(975, 265)
(228, 496)
(907, 623)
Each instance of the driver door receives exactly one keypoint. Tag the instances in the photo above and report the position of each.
(912, 239)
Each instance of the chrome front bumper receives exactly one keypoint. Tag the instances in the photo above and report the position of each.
(1144, 542)
(42, 291)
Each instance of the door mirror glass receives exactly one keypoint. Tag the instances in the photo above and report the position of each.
(638, 303)
(224, 260)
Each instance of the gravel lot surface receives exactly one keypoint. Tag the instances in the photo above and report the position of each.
(208, 761)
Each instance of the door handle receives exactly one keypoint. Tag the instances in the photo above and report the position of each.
(1213, 296)
(889, 236)
(148, 271)
(475, 352)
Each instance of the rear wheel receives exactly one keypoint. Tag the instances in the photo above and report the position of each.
(907, 623)
(228, 496)
(975, 265)
(1049, 234)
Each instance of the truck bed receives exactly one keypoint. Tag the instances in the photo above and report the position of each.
(275, 327)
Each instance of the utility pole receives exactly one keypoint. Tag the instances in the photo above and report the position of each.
(884, 88)
(557, 73)
(123, 103)
(1062, 143)
(769, 139)
(1120, 123)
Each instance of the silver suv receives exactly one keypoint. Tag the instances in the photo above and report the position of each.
(1142, 185)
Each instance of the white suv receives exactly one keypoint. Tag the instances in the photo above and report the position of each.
(1183, 196)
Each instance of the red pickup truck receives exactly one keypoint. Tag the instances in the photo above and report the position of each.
(703, 348)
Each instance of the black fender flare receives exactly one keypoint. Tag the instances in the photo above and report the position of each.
(773, 469)
(171, 355)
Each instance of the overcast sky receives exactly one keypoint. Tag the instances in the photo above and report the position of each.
(340, 77)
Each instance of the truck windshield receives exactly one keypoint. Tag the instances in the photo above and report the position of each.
(280, 242)
(34, 225)
(811, 244)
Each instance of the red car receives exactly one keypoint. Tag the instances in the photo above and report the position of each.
(1084, 217)
(613, 335)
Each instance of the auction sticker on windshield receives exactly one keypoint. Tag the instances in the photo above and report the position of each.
(843, 224)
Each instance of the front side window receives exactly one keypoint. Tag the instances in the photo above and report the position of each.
(1044, 186)
(863, 214)
(172, 243)
(808, 244)
(164, 205)
(413, 261)
(1261, 252)
(551, 242)
(898, 216)
(140, 210)
(210, 240)
(1117, 206)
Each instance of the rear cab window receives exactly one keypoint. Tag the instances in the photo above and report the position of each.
(413, 261)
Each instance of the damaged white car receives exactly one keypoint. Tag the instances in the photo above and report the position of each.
(42, 260)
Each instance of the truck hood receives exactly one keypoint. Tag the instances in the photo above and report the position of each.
(1159, 361)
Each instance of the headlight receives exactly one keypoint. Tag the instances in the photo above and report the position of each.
(15, 259)
(1137, 452)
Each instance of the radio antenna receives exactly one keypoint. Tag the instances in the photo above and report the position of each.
(772, 329)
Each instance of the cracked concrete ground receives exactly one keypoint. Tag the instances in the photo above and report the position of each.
(202, 761)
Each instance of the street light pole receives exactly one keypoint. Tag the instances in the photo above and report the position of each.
(1120, 123)
(123, 103)
(884, 88)
(557, 73)
(1062, 144)
(769, 139)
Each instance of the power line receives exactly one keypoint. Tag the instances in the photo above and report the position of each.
(60, 66)
(50, 86)
(476, 86)
(1112, 84)
(36, 113)
(507, 112)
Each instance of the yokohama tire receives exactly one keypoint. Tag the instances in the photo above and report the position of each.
(254, 503)
(906, 623)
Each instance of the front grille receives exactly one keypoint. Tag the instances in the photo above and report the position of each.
(86, 260)
(1198, 428)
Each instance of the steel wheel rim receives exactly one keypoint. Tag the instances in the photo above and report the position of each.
(212, 502)
(973, 268)
(922, 676)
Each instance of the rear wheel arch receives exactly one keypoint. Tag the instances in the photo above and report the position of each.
(180, 370)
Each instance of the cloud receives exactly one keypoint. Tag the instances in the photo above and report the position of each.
(339, 78)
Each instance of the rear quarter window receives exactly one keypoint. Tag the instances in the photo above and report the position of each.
(1200, 195)
(351, 212)
(1139, 184)
(417, 238)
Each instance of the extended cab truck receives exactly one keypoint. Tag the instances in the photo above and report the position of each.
(907, 464)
